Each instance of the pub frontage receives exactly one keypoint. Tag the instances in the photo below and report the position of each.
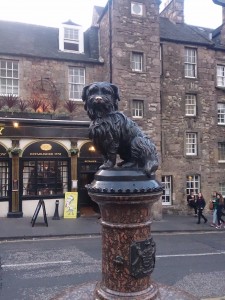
(44, 159)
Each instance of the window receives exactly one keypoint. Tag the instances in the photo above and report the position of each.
(76, 83)
(4, 179)
(193, 184)
(138, 109)
(167, 191)
(9, 77)
(190, 105)
(221, 113)
(191, 144)
(190, 63)
(221, 152)
(71, 37)
(136, 8)
(160, 58)
(137, 61)
(221, 76)
(222, 188)
(45, 177)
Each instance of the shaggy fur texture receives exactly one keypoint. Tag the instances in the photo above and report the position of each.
(113, 133)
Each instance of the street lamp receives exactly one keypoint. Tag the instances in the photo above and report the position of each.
(219, 2)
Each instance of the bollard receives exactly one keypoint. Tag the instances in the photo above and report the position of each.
(56, 214)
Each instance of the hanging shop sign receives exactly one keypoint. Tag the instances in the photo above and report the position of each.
(45, 148)
(70, 205)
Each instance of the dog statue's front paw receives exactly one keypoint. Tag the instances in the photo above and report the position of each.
(107, 165)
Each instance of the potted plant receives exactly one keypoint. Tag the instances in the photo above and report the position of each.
(14, 150)
(74, 151)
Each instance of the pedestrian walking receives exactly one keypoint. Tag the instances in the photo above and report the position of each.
(191, 201)
(215, 203)
(200, 204)
(220, 211)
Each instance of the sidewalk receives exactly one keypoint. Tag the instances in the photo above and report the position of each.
(21, 228)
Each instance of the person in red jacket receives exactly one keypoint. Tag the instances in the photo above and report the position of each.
(200, 204)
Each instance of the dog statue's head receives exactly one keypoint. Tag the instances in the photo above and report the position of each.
(100, 99)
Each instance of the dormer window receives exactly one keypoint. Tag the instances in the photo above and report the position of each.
(71, 37)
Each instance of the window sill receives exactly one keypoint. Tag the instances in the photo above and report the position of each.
(221, 161)
(220, 87)
(221, 124)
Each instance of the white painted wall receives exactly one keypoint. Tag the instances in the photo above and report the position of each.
(4, 209)
(29, 207)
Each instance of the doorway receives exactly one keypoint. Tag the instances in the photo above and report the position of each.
(88, 164)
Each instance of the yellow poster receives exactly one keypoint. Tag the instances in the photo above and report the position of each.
(70, 205)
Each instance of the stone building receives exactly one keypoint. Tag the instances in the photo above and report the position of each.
(171, 78)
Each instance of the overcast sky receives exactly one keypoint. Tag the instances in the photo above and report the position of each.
(53, 12)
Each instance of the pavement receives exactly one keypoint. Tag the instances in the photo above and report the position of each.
(21, 228)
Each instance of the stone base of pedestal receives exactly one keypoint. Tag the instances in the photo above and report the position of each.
(87, 292)
(105, 294)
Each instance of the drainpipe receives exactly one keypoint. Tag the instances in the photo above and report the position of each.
(110, 40)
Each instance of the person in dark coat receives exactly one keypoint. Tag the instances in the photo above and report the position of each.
(200, 204)
(191, 200)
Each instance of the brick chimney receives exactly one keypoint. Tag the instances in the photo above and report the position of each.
(174, 11)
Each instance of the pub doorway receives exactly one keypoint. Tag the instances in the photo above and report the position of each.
(89, 162)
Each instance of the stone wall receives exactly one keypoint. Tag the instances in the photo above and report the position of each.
(175, 124)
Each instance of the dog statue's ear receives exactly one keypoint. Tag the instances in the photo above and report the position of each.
(84, 96)
(84, 93)
(116, 91)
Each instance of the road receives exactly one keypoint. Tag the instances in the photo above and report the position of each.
(39, 269)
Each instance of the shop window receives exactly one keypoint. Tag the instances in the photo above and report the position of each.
(45, 177)
(4, 179)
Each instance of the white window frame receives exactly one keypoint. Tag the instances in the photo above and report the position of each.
(191, 144)
(9, 77)
(76, 82)
(221, 113)
(222, 188)
(190, 105)
(220, 75)
(137, 109)
(71, 34)
(193, 184)
(190, 63)
(167, 191)
(137, 62)
(221, 152)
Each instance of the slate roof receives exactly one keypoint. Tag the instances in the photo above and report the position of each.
(183, 33)
(22, 39)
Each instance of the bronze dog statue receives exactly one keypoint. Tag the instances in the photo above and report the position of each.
(113, 133)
